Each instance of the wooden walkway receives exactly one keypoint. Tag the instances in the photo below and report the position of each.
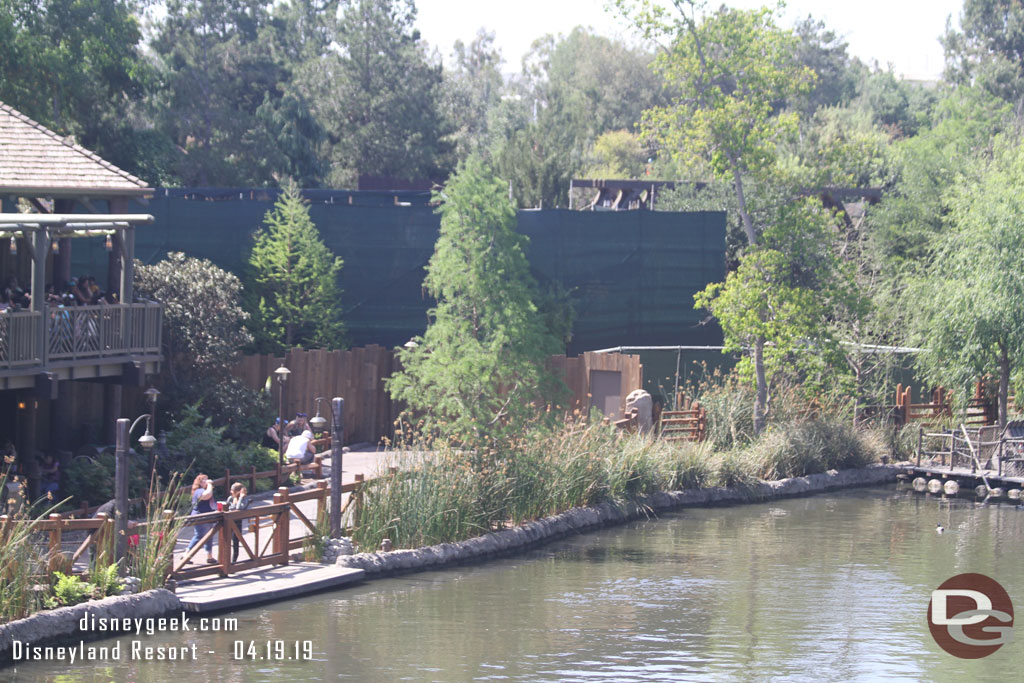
(263, 585)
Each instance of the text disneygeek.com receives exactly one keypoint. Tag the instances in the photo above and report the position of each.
(140, 650)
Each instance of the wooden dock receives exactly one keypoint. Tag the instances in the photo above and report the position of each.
(964, 474)
(263, 585)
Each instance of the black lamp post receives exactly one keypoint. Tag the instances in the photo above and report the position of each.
(282, 376)
(147, 441)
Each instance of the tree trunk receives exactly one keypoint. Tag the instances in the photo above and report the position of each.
(761, 399)
(748, 224)
(1004, 383)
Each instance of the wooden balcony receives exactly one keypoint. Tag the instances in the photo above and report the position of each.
(78, 342)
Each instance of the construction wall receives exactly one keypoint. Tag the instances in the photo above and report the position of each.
(631, 275)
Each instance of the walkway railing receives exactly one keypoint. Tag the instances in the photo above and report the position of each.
(267, 528)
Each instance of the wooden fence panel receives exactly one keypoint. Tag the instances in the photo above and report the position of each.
(358, 375)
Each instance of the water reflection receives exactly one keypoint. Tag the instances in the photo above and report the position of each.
(823, 588)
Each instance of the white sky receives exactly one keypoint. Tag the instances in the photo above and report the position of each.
(901, 32)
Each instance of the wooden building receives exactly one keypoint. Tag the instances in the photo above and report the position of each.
(54, 193)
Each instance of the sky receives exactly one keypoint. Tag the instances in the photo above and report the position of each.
(903, 33)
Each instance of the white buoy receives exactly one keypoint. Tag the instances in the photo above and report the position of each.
(951, 488)
(1013, 494)
(981, 490)
(997, 492)
(920, 484)
(934, 486)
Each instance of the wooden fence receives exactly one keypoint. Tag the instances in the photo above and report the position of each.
(358, 376)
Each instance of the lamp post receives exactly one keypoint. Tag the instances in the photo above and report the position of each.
(282, 376)
(147, 441)
(338, 429)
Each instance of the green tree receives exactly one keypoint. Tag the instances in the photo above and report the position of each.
(478, 372)
(787, 292)
(380, 101)
(573, 89)
(203, 335)
(727, 72)
(970, 302)
(294, 296)
(988, 50)
(74, 66)
(472, 89)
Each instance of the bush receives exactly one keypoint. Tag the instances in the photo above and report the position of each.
(91, 479)
(796, 449)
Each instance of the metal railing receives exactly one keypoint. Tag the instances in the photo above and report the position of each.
(19, 343)
(79, 332)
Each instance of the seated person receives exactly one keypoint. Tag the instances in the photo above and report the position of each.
(300, 448)
(296, 426)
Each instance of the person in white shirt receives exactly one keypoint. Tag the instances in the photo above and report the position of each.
(300, 447)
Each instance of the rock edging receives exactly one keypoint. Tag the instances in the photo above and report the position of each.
(62, 623)
(582, 519)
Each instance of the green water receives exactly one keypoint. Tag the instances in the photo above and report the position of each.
(826, 588)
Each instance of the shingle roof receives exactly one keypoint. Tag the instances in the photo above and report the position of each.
(37, 160)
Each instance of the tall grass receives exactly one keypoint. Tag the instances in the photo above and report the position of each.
(22, 560)
(152, 550)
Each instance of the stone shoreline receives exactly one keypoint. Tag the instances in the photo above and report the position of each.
(581, 520)
(62, 624)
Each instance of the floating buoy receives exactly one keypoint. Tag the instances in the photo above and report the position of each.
(951, 488)
(920, 484)
(997, 492)
(1013, 494)
(934, 486)
(981, 490)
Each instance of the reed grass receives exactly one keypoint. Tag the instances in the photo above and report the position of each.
(450, 494)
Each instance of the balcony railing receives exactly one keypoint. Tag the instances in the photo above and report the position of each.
(19, 339)
(80, 333)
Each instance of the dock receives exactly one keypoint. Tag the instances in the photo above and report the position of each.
(262, 585)
(966, 477)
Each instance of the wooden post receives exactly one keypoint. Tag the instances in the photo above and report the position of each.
(318, 466)
(227, 478)
(252, 479)
(321, 501)
(281, 527)
(56, 558)
(224, 546)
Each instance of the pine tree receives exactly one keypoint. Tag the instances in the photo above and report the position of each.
(294, 297)
(478, 372)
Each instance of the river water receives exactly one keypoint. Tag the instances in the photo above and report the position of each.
(827, 588)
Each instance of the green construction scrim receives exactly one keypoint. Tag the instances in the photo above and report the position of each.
(631, 275)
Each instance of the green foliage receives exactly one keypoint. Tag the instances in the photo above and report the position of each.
(472, 89)
(618, 154)
(380, 98)
(75, 66)
(92, 479)
(151, 559)
(478, 371)
(196, 445)
(573, 89)
(68, 590)
(294, 297)
(203, 336)
(803, 447)
(784, 292)
(105, 582)
(969, 302)
(986, 50)
(727, 71)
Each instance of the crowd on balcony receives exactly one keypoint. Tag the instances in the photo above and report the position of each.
(80, 291)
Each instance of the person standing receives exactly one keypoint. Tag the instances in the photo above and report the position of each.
(238, 500)
(202, 502)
